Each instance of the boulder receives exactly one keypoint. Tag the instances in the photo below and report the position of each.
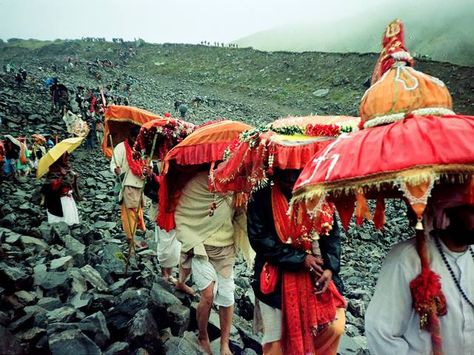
(74, 342)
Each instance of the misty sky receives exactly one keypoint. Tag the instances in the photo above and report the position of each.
(179, 21)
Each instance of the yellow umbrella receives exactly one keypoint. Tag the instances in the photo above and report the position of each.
(66, 145)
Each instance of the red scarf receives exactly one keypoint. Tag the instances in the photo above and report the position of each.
(136, 166)
(304, 313)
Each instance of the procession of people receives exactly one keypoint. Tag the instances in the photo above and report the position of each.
(279, 195)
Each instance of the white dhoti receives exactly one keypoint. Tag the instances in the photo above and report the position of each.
(70, 213)
(168, 247)
(204, 273)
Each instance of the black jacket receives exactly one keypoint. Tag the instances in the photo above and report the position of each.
(268, 246)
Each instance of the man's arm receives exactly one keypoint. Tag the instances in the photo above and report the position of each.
(390, 309)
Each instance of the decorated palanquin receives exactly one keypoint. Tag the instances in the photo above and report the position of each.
(159, 136)
(118, 122)
(202, 148)
(410, 141)
(287, 143)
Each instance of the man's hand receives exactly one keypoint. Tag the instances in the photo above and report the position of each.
(323, 282)
(117, 170)
(313, 264)
(147, 171)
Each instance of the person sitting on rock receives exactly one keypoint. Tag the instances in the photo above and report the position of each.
(392, 324)
(296, 284)
(60, 192)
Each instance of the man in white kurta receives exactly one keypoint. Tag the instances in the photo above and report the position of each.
(131, 189)
(392, 325)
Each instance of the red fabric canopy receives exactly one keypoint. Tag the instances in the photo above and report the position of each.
(388, 153)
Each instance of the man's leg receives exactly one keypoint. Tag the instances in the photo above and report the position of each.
(202, 314)
(182, 277)
(225, 320)
(327, 342)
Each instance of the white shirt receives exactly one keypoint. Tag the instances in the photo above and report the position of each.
(119, 158)
(393, 327)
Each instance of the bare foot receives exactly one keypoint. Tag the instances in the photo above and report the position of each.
(225, 350)
(185, 288)
(205, 345)
(172, 280)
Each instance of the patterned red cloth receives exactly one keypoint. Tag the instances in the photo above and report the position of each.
(136, 165)
(304, 313)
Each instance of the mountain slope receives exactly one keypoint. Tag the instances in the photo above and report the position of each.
(442, 32)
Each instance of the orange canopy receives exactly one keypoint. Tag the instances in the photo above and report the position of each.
(118, 122)
(206, 144)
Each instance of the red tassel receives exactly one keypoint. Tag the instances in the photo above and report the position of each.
(379, 215)
(345, 208)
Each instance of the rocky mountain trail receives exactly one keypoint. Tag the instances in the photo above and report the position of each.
(64, 289)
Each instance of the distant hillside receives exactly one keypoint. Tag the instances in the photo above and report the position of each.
(442, 32)
(235, 83)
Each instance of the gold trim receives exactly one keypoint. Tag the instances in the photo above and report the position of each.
(412, 176)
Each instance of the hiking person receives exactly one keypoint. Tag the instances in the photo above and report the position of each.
(168, 247)
(99, 129)
(60, 192)
(38, 148)
(209, 237)
(12, 154)
(391, 321)
(301, 308)
(183, 108)
(125, 164)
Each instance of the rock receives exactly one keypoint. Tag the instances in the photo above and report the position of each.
(13, 277)
(30, 241)
(57, 230)
(64, 314)
(8, 343)
(162, 297)
(118, 348)
(9, 220)
(104, 225)
(61, 263)
(130, 302)
(75, 248)
(12, 238)
(119, 286)
(34, 118)
(348, 345)
(321, 92)
(95, 326)
(143, 332)
(4, 318)
(72, 342)
(31, 335)
(49, 303)
(188, 344)
(94, 278)
(22, 323)
(39, 315)
(179, 318)
(49, 280)
(25, 297)
(357, 308)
